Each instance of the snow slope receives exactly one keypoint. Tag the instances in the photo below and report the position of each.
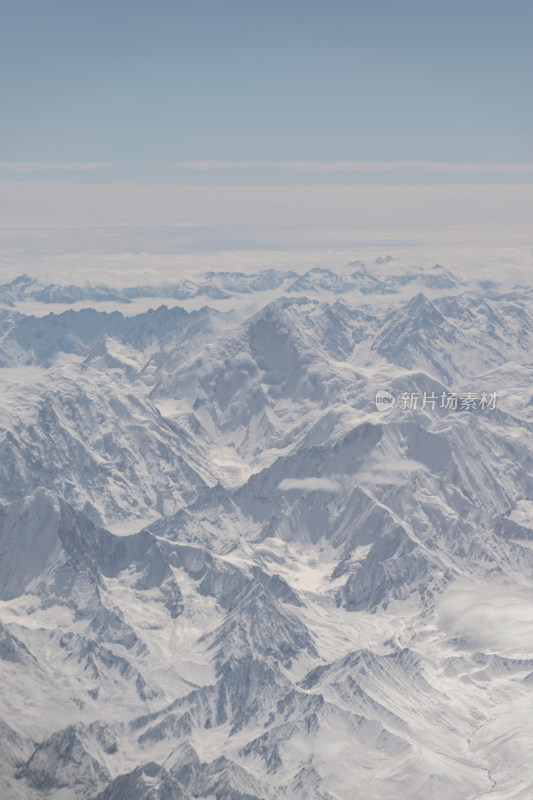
(224, 572)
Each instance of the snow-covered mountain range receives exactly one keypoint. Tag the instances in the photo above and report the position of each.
(223, 285)
(226, 573)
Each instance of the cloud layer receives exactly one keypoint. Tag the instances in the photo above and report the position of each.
(356, 166)
(493, 616)
(52, 166)
(309, 485)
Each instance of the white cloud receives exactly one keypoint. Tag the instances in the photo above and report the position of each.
(309, 485)
(119, 233)
(356, 166)
(494, 616)
(49, 166)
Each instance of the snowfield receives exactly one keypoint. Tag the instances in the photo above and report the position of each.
(226, 573)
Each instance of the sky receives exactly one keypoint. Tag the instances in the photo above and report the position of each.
(147, 137)
(247, 92)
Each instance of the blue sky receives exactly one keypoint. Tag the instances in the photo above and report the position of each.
(267, 92)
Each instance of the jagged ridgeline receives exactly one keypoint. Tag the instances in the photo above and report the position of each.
(226, 572)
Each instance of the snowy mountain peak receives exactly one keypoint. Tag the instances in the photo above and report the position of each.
(226, 572)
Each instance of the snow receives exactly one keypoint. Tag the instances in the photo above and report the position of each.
(219, 556)
(523, 513)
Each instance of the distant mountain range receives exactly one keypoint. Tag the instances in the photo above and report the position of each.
(224, 285)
